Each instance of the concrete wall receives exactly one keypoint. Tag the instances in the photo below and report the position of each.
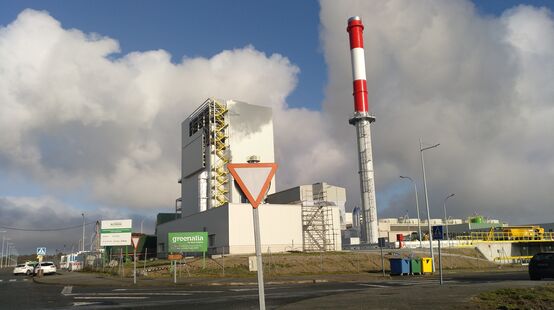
(305, 194)
(231, 230)
(280, 225)
(337, 228)
(291, 195)
(499, 249)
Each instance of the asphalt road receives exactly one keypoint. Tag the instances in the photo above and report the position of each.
(20, 292)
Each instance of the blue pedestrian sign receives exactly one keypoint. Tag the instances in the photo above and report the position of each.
(437, 232)
(41, 251)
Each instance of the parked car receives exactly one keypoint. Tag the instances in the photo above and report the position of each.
(46, 267)
(542, 266)
(27, 268)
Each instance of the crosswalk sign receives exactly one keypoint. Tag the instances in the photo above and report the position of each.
(437, 232)
(41, 251)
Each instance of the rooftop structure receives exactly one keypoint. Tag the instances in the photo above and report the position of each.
(216, 133)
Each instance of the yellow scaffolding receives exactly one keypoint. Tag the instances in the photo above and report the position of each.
(220, 179)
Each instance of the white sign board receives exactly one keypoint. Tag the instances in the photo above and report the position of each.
(116, 232)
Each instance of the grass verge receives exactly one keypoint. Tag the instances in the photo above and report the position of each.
(541, 297)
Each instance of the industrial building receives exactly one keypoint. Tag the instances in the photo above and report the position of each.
(408, 227)
(227, 131)
(323, 214)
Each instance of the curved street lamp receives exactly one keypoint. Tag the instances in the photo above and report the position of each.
(445, 218)
(417, 209)
(421, 149)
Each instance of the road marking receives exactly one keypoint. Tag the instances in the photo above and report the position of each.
(13, 280)
(126, 291)
(67, 290)
(373, 285)
(133, 294)
(25, 280)
(84, 303)
(110, 297)
(1, 280)
(243, 289)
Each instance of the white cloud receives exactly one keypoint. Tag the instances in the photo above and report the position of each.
(76, 113)
(481, 86)
(45, 221)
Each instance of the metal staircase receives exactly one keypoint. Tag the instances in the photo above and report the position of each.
(317, 222)
(219, 144)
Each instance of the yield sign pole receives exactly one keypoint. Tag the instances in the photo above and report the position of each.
(254, 180)
(135, 241)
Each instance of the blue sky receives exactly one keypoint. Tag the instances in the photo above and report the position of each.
(204, 28)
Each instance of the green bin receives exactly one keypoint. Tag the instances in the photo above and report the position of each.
(415, 266)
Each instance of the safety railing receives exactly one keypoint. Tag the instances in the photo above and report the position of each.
(513, 259)
(508, 236)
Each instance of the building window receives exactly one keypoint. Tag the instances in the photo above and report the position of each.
(211, 240)
(199, 122)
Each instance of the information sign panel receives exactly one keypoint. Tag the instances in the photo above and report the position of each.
(116, 232)
(180, 242)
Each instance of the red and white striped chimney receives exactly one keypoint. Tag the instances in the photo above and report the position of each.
(362, 120)
(356, 31)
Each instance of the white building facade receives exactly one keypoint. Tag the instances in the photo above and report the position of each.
(219, 132)
(228, 131)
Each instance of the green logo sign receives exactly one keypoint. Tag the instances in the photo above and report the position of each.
(180, 242)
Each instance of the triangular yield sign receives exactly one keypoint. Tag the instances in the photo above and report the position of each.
(135, 241)
(254, 179)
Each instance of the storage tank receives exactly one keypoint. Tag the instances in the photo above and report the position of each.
(356, 217)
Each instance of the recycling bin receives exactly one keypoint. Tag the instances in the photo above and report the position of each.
(426, 265)
(399, 266)
(400, 239)
(415, 266)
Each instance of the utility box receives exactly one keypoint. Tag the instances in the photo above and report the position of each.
(252, 263)
(415, 266)
(399, 266)
(426, 265)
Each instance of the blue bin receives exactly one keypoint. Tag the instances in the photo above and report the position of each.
(399, 266)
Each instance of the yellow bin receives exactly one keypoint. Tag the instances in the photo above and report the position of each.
(426, 265)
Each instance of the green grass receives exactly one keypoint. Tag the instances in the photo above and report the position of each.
(541, 297)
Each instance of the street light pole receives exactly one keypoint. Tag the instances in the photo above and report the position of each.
(445, 218)
(3, 240)
(417, 209)
(83, 245)
(421, 149)
(7, 254)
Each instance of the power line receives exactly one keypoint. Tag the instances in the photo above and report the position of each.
(46, 229)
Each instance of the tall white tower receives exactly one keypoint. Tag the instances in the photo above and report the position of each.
(362, 120)
(216, 133)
